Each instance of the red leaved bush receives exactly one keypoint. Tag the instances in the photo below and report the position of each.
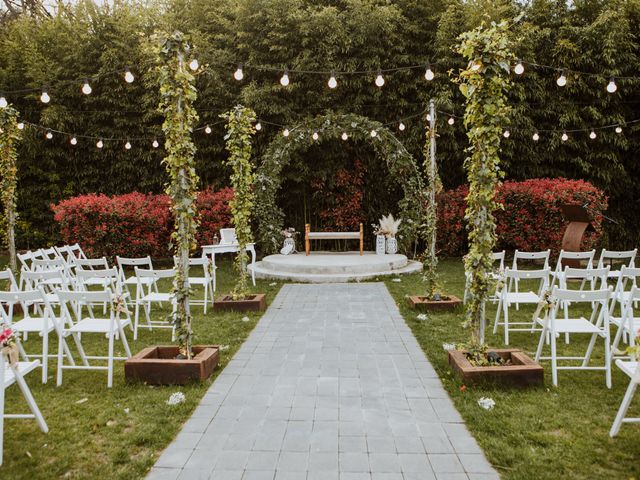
(134, 224)
(531, 219)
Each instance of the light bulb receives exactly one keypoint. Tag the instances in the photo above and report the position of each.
(451, 121)
(100, 144)
(258, 126)
(344, 136)
(379, 79)
(128, 76)
(284, 80)
(20, 126)
(428, 74)
(3, 102)
(155, 144)
(207, 129)
(612, 87)
(127, 146)
(401, 127)
(592, 135)
(519, 68)
(428, 117)
(536, 137)
(238, 74)
(618, 129)
(333, 83)
(315, 135)
(45, 98)
(285, 132)
(86, 88)
(562, 79)
(49, 135)
(73, 141)
(374, 133)
(506, 134)
(564, 137)
(194, 64)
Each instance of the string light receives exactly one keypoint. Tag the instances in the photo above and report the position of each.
(100, 143)
(379, 79)
(73, 140)
(86, 88)
(401, 127)
(20, 126)
(155, 143)
(428, 117)
(506, 134)
(536, 137)
(49, 135)
(315, 135)
(194, 64)
(618, 129)
(612, 87)
(207, 129)
(45, 98)
(333, 83)
(284, 80)
(127, 145)
(345, 136)
(285, 133)
(451, 121)
(592, 135)
(562, 79)
(238, 74)
(374, 133)
(519, 68)
(564, 137)
(3, 102)
(258, 126)
(428, 74)
(128, 76)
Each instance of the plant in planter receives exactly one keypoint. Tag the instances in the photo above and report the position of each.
(485, 83)
(239, 131)
(381, 240)
(388, 226)
(185, 362)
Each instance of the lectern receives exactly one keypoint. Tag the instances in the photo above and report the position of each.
(579, 222)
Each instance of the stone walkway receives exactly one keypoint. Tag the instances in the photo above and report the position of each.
(330, 385)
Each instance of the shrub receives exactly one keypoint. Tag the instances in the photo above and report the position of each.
(530, 219)
(134, 224)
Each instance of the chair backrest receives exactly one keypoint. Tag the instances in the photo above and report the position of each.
(24, 298)
(157, 274)
(625, 257)
(585, 274)
(49, 253)
(228, 236)
(541, 274)
(134, 262)
(582, 256)
(38, 265)
(111, 277)
(53, 278)
(197, 262)
(530, 256)
(499, 257)
(77, 251)
(25, 259)
(92, 263)
(7, 275)
(80, 299)
(583, 296)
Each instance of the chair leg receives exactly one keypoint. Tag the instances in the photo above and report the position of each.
(125, 343)
(624, 406)
(110, 361)
(554, 361)
(135, 321)
(60, 361)
(607, 360)
(543, 334)
(45, 356)
(206, 289)
(83, 356)
(506, 324)
(587, 356)
(33, 406)
(495, 323)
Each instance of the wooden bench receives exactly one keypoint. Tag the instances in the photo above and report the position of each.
(309, 235)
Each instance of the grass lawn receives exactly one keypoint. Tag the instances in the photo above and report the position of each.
(539, 433)
(117, 433)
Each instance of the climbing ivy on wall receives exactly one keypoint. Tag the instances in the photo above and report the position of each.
(239, 131)
(484, 84)
(178, 93)
(9, 136)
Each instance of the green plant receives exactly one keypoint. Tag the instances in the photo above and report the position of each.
(10, 135)
(239, 131)
(178, 94)
(484, 83)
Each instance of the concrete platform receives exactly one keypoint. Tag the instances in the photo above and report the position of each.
(325, 267)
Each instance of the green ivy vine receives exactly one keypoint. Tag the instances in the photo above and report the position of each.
(239, 131)
(178, 93)
(10, 135)
(484, 83)
(401, 167)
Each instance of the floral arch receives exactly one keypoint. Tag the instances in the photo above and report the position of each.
(400, 163)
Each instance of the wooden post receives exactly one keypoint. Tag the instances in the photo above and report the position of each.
(307, 246)
(361, 238)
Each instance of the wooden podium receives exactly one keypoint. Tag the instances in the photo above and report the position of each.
(579, 222)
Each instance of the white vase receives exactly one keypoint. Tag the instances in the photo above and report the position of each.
(380, 244)
(392, 245)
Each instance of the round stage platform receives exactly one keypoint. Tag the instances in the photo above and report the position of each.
(325, 267)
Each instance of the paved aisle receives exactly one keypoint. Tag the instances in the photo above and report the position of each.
(330, 385)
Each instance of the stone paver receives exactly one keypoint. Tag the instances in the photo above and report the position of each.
(331, 384)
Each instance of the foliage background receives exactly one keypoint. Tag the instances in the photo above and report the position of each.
(83, 40)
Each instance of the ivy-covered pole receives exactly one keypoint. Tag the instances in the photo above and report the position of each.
(10, 135)
(178, 93)
(239, 131)
(430, 275)
(484, 83)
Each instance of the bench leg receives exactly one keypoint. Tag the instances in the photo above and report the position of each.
(361, 239)
(307, 246)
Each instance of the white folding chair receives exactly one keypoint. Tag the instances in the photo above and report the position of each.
(632, 370)
(618, 258)
(205, 280)
(144, 299)
(7, 276)
(77, 251)
(49, 253)
(584, 259)
(15, 374)
(521, 257)
(627, 279)
(132, 280)
(43, 324)
(507, 296)
(595, 326)
(498, 257)
(102, 279)
(627, 324)
(77, 323)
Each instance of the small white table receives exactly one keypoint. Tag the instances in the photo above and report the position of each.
(211, 250)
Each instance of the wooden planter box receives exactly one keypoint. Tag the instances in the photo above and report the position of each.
(158, 366)
(255, 302)
(422, 303)
(522, 372)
